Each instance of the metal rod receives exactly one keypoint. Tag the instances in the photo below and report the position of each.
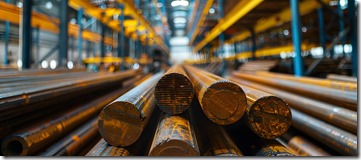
(310, 80)
(72, 144)
(296, 37)
(174, 137)
(337, 139)
(266, 115)
(122, 121)
(337, 97)
(222, 101)
(304, 147)
(212, 139)
(31, 140)
(335, 115)
(342, 78)
(27, 34)
(174, 91)
(102, 148)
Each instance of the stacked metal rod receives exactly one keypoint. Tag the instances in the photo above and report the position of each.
(222, 101)
(317, 111)
(174, 91)
(122, 122)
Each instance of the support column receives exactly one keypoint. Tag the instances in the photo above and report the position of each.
(80, 35)
(322, 31)
(296, 37)
(37, 44)
(63, 34)
(102, 44)
(342, 27)
(353, 24)
(27, 34)
(121, 33)
(254, 45)
(7, 38)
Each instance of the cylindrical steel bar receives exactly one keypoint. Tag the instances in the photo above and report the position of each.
(102, 148)
(174, 137)
(34, 138)
(342, 78)
(223, 102)
(337, 97)
(122, 121)
(14, 106)
(33, 72)
(304, 147)
(315, 81)
(251, 145)
(212, 139)
(337, 139)
(266, 115)
(72, 144)
(338, 116)
(174, 91)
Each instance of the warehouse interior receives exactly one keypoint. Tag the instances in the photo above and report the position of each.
(179, 78)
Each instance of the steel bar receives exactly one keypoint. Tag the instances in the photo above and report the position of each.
(212, 139)
(315, 81)
(303, 147)
(251, 145)
(334, 96)
(174, 137)
(72, 144)
(338, 116)
(32, 139)
(222, 101)
(174, 91)
(122, 121)
(33, 72)
(102, 148)
(342, 78)
(14, 105)
(337, 139)
(266, 115)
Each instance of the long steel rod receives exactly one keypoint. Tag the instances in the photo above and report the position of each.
(174, 91)
(174, 137)
(222, 101)
(122, 121)
(334, 96)
(102, 148)
(338, 116)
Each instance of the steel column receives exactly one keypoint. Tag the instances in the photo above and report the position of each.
(7, 32)
(296, 37)
(27, 34)
(88, 49)
(342, 27)
(102, 44)
(37, 44)
(121, 37)
(254, 45)
(322, 31)
(80, 35)
(351, 7)
(71, 48)
(63, 34)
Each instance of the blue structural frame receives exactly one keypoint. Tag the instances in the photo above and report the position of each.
(102, 44)
(121, 37)
(37, 44)
(63, 34)
(27, 34)
(321, 26)
(296, 37)
(353, 24)
(80, 37)
(254, 44)
(342, 27)
(7, 39)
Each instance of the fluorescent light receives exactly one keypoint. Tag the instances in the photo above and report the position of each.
(212, 10)
(70, 65)
(44, 64)
(53, 64)
(286, 32)
(48, 5)
(179, 20)
(179, 3)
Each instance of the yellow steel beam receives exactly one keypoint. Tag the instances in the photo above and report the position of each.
(240, 10)
(201, 20)
(282, 17)
(138, 16)
(11, 13)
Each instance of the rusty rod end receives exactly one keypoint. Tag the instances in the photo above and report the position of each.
(174, 147)
(269, 117)
(174, 93)
(224, 102)
(120, 123)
